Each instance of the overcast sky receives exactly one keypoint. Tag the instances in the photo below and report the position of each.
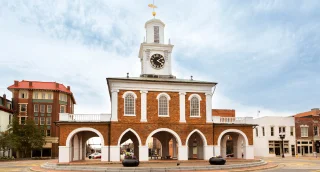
(265, 55)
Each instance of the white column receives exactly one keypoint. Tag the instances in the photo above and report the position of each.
(114, 153)
(182, 107)
(64, 154)
(249, 152)
(183, 153)
(143, 153)
(208, 152)
(209, 107)
(104, 153)
(143, 105)
(216, 150)
(174, 146)
(114, 105)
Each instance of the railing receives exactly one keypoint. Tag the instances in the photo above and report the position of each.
(84, 117)
(232, 120)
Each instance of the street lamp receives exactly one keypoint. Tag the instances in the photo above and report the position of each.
(282, 136)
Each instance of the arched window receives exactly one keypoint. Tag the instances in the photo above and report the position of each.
(163, 104)
(129, 103)
(194, 107)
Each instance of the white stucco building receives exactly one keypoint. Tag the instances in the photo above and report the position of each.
(267, 142)
(5, 118)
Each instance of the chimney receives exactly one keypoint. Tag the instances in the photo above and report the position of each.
(16, 83)
(4, 100)
(57, 85)
(68, 88)
(30, 84)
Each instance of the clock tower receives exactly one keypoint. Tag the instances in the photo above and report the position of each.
(154, 54)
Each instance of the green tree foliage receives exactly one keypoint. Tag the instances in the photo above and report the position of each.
(24, 138)
(4, 142)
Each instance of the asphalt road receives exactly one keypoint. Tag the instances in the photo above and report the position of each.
(22, 166)
(291, 164)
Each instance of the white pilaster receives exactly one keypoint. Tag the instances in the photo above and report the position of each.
(209, 107)
(216, 150)
(143, 105)
(143, 153)
(183, 153)
(114, 105)
(114, 153)
(249, 152)
(208, 152)
(104, 153)
(174, 146)
(182, 99)
(64, 154)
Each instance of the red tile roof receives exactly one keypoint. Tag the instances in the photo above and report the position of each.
(38, 85)
(313, 112)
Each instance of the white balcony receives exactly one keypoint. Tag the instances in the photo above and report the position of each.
(232, 120)
(84, 117)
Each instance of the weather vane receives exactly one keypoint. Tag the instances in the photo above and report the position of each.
(153, 7)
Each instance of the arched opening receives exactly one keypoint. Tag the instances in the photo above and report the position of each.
(169, 141)
(129, 143)
(80, 148)
(196, 141)
(233, 144)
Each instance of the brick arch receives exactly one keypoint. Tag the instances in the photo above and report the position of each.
(166, 130)
(203, 137)
(75, 131)
(233, 131)
(134, 132)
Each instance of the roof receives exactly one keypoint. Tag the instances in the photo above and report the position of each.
(39, 85)
(312, 112)
(170, 80)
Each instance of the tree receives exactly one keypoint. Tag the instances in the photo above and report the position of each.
(4, 142)
(24, 138)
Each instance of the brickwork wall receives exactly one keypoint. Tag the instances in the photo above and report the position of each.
(223, 112)
(218, 129)
(311, 121)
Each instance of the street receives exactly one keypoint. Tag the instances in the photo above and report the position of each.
(19, 165)
(302, 164)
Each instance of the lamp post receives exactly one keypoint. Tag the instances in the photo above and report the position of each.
(282, 136)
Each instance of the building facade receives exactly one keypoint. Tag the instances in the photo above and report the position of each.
(176, 112)
(267, 140)
(6, 114)
(42, 102)
(307, 126)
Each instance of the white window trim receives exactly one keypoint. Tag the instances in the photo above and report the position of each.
(168, 99)
(65, 109)
(48, 108)
(134, 103)
(34, 108)
(304, 126)
(199, 98)
(26, 107)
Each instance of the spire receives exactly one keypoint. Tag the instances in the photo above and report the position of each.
(153, 7)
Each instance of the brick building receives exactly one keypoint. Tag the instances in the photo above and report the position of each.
(42, 102)
(176, 112)
(307, 126)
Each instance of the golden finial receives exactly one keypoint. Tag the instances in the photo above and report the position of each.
(153, 7)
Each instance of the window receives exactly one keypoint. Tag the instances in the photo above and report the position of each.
(49, 96)
(129, 105)
(48, 131)
(23, 95)
(42, 108)
(36, 108)
(36, 120)
(163, 104)
(23, 120)
(282, 130)
(35, 95)
(49, 108)
(23, 107)
(291, 131)
(272, 131)
(156, 34)
(43, 95)
(262, 131)
(42, 120)
(304, 131)
(48, 121)
(257, 134)
(315, 131)
(62, 109)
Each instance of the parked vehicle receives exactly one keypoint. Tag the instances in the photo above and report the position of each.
(95, 156)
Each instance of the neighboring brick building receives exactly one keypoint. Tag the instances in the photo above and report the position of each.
(177, 112)
(307, 132)
(42, 102)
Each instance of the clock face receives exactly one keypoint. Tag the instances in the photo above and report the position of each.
(157, 61)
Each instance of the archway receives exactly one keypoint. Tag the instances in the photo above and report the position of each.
(129, 142)
(234, 143)
(78, 149)
(169, 140)
(196, 142)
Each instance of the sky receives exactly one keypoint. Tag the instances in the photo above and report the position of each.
(265, 55)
